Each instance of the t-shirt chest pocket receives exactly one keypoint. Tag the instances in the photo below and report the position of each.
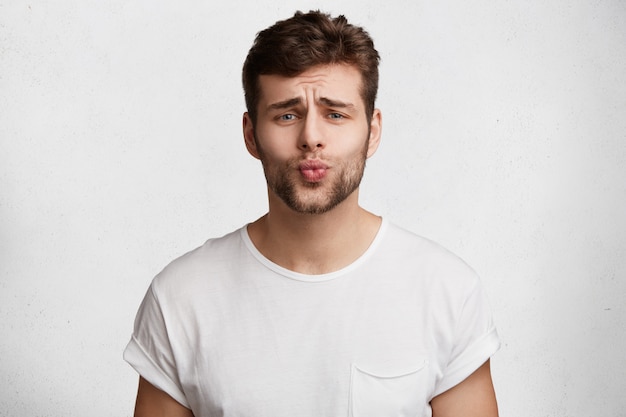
(397, 394)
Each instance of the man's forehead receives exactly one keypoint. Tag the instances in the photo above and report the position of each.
(342, 82)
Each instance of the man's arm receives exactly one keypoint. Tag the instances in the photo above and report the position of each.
(152, 402)
(474, 397)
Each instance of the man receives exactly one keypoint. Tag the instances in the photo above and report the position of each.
(318, 308)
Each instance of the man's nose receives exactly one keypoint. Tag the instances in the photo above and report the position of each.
(311, 136)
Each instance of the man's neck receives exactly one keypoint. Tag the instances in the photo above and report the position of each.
(314, 243)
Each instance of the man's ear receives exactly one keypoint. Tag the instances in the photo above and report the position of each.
(248, 136)
(376, 130)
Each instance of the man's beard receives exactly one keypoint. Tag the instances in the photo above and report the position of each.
(286, 183)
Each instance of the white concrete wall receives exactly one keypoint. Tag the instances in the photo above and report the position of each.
(504, 140)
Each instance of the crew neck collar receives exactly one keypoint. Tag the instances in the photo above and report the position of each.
(307, 277)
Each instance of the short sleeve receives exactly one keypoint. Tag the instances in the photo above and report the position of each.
(149, 351)
(475, 339)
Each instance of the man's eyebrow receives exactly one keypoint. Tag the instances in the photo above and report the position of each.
(329, 102)
(279, 105)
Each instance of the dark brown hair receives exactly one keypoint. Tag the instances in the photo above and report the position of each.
(294, 45)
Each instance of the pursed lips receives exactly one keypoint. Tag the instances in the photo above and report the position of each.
(313, 170)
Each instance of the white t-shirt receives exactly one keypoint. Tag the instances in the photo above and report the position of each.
(226, 332)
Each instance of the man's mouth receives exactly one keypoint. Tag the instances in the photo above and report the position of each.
(313, 171)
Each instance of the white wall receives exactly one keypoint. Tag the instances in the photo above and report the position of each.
(504, 139)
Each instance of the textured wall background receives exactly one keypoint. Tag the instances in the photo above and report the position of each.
(121, 148)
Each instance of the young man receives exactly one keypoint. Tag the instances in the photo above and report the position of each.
(318, 308)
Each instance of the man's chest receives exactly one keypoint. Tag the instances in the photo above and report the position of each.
(310, 356)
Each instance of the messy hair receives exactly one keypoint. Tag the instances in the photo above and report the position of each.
(292, 46)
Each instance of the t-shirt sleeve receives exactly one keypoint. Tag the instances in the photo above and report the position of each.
(149, 351)
(475, 339)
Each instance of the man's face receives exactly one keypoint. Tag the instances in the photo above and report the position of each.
(312, 136)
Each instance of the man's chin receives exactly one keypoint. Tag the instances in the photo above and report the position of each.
(312, 207)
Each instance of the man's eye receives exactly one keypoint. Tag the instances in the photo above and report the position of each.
(335, 116)
(288, 117)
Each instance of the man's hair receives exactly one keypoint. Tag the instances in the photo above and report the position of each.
(292, 46)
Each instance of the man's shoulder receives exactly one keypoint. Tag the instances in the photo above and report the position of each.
(401, 237)
(406, 249)
(211, 258)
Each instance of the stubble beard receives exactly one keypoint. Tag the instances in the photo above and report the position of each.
(296, 194)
